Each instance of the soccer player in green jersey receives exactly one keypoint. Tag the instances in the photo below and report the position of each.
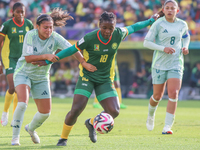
(171, 43)
(12, 34)
(39, 44)
(118, 89)
(99, 48)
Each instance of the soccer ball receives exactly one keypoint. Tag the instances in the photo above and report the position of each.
(103, 123)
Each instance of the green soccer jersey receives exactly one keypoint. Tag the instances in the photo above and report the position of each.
(168, 35)
(33, 45)
(14, 37)
(100, 54)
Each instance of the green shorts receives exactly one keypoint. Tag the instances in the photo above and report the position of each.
(39, 89)
(12, 65)
(102, 91)
(161, 76)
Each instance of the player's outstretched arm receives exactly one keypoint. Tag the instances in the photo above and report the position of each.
(142, 24)
(64, 53)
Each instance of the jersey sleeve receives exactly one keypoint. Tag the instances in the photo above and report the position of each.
(61, 42)
(152, 33)
(123, 32)
(4, 29)
(82, 43)
(27, 45)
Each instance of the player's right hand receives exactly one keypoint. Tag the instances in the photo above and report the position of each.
(169, 50)
(89, 67)
(52, 57)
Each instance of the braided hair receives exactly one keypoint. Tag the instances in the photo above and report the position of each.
(58, 16)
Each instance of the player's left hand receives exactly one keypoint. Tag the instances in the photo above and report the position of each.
(185, 51)
(89, 67)
(39, 63)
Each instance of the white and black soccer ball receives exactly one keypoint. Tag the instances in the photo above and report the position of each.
(103, 123)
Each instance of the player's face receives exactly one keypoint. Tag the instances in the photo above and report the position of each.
(170, 10)
(45, 29)
(19, 13)
(107, 28)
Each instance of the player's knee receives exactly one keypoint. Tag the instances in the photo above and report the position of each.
(173, 94)
(156, 97)
(11, 90)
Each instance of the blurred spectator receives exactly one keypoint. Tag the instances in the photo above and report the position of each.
(195, 78)
(36, 4)
(129, 16)
(191, 25)
(59, 78)
(197, 11)
(2, 10)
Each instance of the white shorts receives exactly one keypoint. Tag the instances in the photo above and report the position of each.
(39, 89)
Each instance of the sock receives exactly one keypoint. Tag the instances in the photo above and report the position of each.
(169, 119)
(95, 100)
(152, 110)
(8, 100)
(18, 118)
(119, 94)
(91, 121)
(15, 101)
(38, 120)
(66, 130)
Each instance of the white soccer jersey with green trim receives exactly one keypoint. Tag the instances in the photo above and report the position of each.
(33, 45)
(168, 35)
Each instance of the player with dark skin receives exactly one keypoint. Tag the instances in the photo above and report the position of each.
(15, 47)
(106, 41)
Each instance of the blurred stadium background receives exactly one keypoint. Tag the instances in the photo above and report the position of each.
(133, 59)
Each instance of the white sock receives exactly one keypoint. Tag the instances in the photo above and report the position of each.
(152, 110)
(18, 118)
(169, 119)
(38, 120)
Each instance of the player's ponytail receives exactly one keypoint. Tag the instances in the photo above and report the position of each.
(60, 17)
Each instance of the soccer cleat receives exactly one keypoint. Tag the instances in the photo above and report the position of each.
(4, 119)
(15, 141)
(122, 106)
(35, 138)
(62, 142)
(92, 132)
(150, 123)
(167, 130)
(96, 105)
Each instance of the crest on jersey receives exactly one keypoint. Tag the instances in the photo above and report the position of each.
(27, 29)
(49, 48)
(114, 46)
(96, 47)
(14, 30)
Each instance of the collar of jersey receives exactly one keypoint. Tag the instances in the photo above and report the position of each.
(101, 38)
(170, 22)
(18, 24)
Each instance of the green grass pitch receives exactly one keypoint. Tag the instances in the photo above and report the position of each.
(129, 132)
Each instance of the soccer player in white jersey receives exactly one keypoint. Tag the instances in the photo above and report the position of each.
(39, 44)
(171, 43)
